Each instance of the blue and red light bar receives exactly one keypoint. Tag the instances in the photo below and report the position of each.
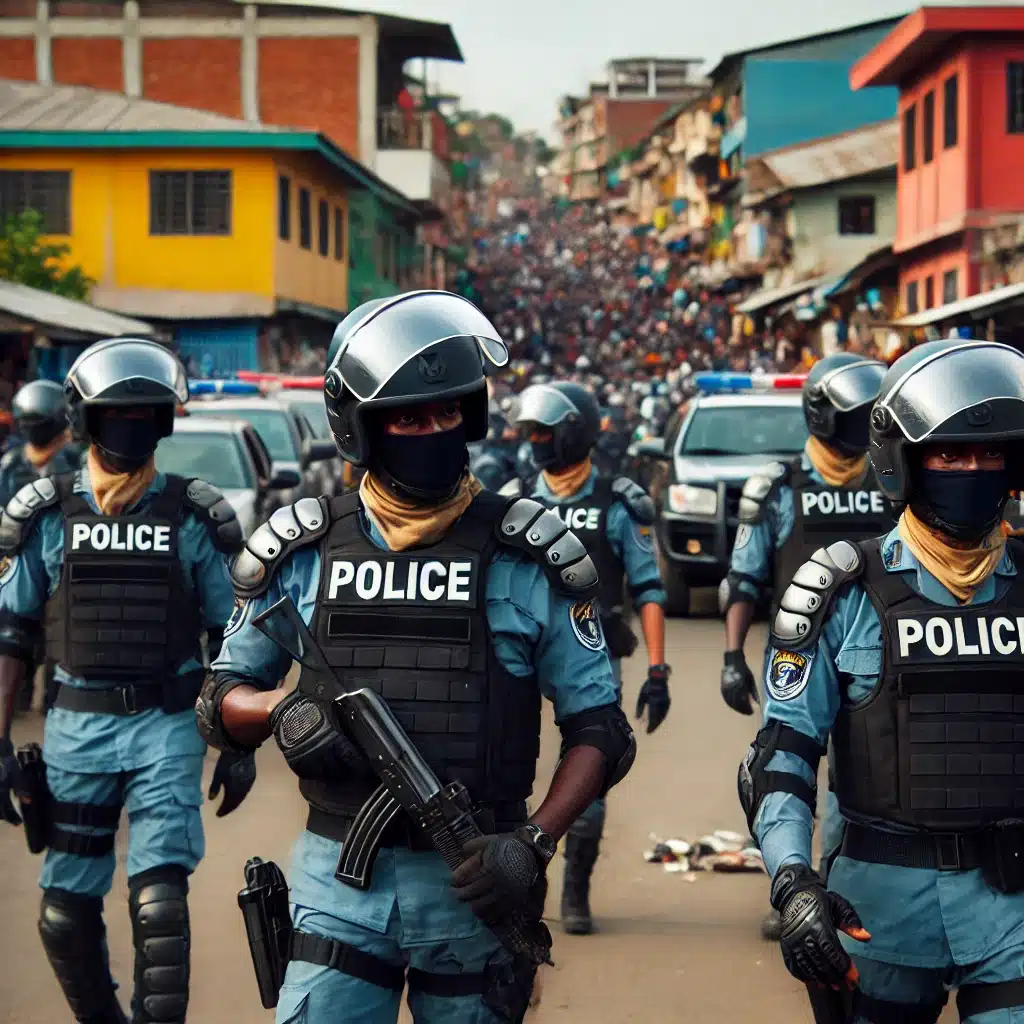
(223, 387)
(711, 383)
(282, 380)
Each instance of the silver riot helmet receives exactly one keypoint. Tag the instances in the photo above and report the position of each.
(837, 399)
(40, 411)
(958, 393)
(422, 348)
(571, 413)
(121, 397)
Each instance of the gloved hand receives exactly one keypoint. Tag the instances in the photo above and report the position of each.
(739, 690)
(502, 874)
(812, 918)
(10, 780)
(654, 697)
(236, 773)
(313, 747)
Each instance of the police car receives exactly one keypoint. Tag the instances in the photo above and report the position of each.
(735, 425)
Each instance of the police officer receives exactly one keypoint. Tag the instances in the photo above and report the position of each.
(613, 518)
(908, 650)
(493, 460)
(127, 567)
(461, 608)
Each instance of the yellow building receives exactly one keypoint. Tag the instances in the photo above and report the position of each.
(215, 226)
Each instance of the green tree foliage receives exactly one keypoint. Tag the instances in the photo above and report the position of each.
(26, 259)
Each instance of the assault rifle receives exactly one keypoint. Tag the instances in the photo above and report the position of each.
(444, 813)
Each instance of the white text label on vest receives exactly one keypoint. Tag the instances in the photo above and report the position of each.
(402, 581)
(832, 503)
(579, 518)
(121, 537)
(942, 636)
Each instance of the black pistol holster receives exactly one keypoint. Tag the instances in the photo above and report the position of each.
(268, 925)
(34, 797)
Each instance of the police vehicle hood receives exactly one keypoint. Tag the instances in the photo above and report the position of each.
(732, 469)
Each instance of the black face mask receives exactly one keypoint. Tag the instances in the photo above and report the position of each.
(426, 468)
(40, 432)
(544, 453)
(851, 436)
(126, 444)
(963, 504)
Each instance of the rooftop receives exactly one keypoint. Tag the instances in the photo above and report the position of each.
(919, 36)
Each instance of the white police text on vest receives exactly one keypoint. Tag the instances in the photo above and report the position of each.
(406, 580)
(120, 536)
(960, 636)
(838, 503)
(578, 518)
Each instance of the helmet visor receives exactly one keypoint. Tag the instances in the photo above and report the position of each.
(850, 387)
(129, 372)
(545, 405)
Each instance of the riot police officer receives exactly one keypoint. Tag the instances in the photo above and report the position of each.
(460, 608)
(613, 516)
(127, 567)
(493, 460)
(907, 649)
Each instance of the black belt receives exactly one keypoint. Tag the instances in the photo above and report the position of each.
(112, 700)
(972, 1000)
(939, 851)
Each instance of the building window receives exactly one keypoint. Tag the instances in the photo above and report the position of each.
(928, 128)
(929, 292)
(1015, 97)
(284, 208)
(305, 219)
(856, 215)
(909, 138)
(190, 202)
(950, 111)
(46, 192)
(339, 234)
(950, 286)
(912, 297)
(324, 227)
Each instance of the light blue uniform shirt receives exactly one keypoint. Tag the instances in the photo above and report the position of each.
(96, 743)
(916, 917)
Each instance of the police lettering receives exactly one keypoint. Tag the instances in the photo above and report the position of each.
(834, 503)
(920, 638)
(121, 536)
(578, 518)
(432, 581)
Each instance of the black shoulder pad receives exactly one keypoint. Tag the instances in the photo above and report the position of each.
(289, 528)
(512, 489)
(635, 499)
(216, 514)
(23, 511)
(540, 534)
(807, 600)
(758, 489)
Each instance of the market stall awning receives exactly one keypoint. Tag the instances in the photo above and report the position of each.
(976, 306)
(771, 296)
(874, 263)
(66, 318)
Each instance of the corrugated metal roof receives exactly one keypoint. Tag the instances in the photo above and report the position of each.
(850, 155)
(26, 106)
(770, 296)
(79, 318)
(1011, 294)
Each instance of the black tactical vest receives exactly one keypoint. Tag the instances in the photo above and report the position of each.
(122, 609)
(412, 626)
(940, 742)
(823, 514)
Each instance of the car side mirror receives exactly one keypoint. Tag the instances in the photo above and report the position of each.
(649, 448)
(284, 480)
(317, 450)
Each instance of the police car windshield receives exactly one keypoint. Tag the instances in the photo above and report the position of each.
(760, 430)
(270, 424)
(211, 457)
(312, 407)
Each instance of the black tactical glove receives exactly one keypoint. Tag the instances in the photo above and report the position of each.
(236, 773)
(313, 747)
(739, 690)
(654, 697)
(10, 780)
(812, 918)
(502, 874)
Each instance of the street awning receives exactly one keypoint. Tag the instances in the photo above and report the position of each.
(772, 296)
(873, 263)
(66, 318)
(976, 306)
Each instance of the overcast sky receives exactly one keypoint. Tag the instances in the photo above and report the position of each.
(522, 55)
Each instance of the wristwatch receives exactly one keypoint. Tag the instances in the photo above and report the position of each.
(539, 841)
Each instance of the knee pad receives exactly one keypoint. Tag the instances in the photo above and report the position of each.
(158, 904)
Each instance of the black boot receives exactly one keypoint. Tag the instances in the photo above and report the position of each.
(580, 856)
(74, 938)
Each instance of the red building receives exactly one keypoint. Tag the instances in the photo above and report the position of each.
(960, 72)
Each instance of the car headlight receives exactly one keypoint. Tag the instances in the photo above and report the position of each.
(699, 501)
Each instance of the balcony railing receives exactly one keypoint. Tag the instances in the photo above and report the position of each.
(412, 129)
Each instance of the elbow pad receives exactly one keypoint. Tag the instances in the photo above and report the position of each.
(18, 636)
(211, 727)
(607, 729)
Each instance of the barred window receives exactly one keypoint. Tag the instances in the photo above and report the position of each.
(284, 208)
(46, 192)
(324, 228)
(305, 219)
(339, 234)
(190, 202)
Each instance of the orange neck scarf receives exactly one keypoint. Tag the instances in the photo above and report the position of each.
(114, 492)
(835, 469)
(566, 482)
(40, 456)
(960, 570)
(406, 526)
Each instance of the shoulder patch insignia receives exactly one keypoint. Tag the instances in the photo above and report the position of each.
(645, 538)
(788, 674)
(743, 535)
(8, 563)
(586, 624)
(237, 616)
(893, 554)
